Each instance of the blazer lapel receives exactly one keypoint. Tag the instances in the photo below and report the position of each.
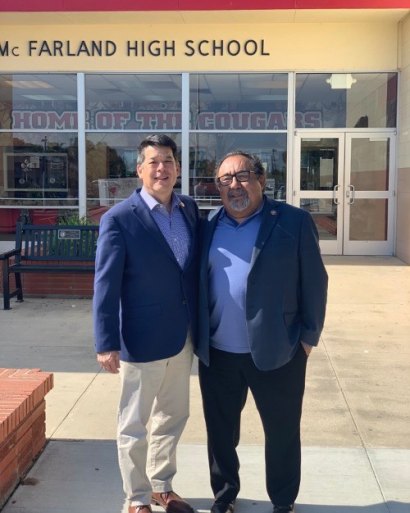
(210, 228)
(207, 232)
(143, 216)
(191, 220)
(189, 214)
(270, 216)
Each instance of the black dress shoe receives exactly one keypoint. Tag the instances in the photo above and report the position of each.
(223, 507)
(284, 509)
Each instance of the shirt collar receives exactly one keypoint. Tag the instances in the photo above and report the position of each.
(152, 202)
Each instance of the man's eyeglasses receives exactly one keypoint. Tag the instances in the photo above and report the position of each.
(241, 176)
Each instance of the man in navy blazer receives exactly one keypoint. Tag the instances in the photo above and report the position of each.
(263, 289)
(145, 297)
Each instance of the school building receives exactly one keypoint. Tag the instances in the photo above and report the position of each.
(318, 89)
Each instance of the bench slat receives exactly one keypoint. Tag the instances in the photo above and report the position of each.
(43, 243)
(52, 268)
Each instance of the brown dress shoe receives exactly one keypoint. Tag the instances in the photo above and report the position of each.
(139, 509)
(171, 502)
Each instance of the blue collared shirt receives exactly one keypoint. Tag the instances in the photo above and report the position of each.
(229, 264)
(172, 225)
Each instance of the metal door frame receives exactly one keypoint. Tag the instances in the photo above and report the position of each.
(364, 247)
(328, 247)
(342, 193)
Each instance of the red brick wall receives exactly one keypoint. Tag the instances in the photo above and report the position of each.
(58, 284)
(55, 284)
(22, 423)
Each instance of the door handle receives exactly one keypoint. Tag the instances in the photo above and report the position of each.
(335, 191)
(350, 190)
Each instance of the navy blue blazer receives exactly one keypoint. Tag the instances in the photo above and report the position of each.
(286, 288)
(143, 301)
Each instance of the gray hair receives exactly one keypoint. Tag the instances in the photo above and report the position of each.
(255, 161)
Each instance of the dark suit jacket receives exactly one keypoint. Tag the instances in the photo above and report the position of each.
(143, 301)
(286, 288)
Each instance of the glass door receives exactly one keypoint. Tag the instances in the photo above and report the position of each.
(346, 182)
(369, 194)
(319, 166)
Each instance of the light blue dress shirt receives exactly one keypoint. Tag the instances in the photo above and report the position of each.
(172, 225)
(229, 264)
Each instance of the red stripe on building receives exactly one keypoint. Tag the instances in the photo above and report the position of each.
(189, 5)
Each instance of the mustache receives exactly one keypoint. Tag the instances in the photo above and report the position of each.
(239, 193)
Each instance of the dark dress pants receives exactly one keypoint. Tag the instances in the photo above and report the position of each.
(278, 396)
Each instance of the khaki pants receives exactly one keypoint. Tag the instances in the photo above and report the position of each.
(157, 392)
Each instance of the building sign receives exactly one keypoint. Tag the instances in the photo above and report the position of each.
(158, 120)
(135, 48)
(231, 43)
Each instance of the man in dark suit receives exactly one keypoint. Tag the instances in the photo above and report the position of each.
(262, 302)
(145, 297)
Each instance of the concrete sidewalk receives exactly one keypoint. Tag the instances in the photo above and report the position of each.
(356, 422)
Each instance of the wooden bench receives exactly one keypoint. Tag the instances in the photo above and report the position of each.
(48, 248)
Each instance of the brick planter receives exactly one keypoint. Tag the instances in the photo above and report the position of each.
(22, 423)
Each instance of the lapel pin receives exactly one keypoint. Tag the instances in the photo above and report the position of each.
(182, 204)
(273, 213)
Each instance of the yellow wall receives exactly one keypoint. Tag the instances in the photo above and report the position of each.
(403, 182)
(361, 46)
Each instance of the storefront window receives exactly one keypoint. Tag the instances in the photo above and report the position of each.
(222, 107)
(111, 168)
(147, 102)
(38, 102)
(38, 148)
(38, 169)
(122, 109)
(234, 101)
(207, 149)
(345, 100)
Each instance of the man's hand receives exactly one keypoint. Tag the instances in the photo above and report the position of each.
(109, 361)
(308, 348)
